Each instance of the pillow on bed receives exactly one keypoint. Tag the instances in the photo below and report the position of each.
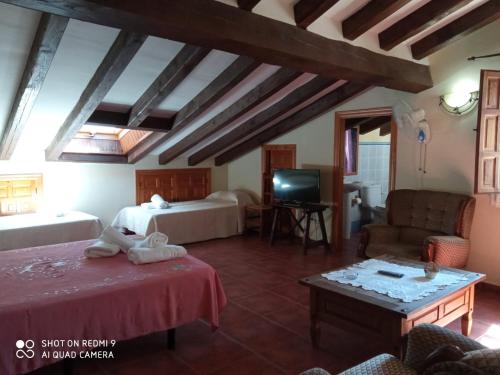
(242, 197)
(238, 196)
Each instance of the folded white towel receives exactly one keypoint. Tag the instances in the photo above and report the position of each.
(113, 236)
(147, 205)
(140, 255)
(154, 240)
(158, 202)
(101, 249)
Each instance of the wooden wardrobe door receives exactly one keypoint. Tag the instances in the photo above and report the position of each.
(488, 134)
(275, 157)
(19, 194)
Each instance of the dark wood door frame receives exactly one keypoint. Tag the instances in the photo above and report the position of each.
(338, 163)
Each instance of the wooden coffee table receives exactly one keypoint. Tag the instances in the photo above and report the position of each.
(363, 311)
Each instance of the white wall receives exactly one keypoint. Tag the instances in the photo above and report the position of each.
(451, 153)
(314, 148)
(451, 159)
(99, 189)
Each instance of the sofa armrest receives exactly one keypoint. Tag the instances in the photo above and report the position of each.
(449, 251)
(377, 233)
(425, 338)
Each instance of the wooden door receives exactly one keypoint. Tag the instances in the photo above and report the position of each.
(275, 157)
(488, 134)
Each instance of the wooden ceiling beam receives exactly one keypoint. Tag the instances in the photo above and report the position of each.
(421, 19)
(308, 11)
(119, 120)
(43, 49)
(213, 24)
(176, 71)
(114, 63)
(373, 123)
(225, 82)
(247, 102)
(368, 16)
(320, 106)
(468, 23)
(220, 86)
(385, 129)
(247, 4)
(93, 158)
(357, 121)
(288, 103)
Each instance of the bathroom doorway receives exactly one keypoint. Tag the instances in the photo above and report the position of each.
(364, 169)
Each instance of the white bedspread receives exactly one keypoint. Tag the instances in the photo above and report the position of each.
(30, 230)
(185, 222)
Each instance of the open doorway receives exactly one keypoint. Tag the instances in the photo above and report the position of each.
(364, 169)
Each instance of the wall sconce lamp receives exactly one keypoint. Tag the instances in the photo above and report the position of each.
(459, 103)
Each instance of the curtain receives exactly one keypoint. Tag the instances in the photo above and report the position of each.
(349, 152)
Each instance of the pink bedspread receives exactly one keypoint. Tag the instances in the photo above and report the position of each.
(55, 293)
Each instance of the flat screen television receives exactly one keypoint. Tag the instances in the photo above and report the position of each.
(296, 185)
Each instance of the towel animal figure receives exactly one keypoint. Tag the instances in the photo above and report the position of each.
(109, 244)
(112, 235)
(154, 240)
(159, 202)
(101, 249)
(142, 255)
(154, 248)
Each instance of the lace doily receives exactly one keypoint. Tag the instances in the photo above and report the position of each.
(413, 286)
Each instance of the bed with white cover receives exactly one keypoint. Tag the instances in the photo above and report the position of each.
(219, 215)
(39, 229)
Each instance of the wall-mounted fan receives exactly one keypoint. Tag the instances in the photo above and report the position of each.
(413, 125)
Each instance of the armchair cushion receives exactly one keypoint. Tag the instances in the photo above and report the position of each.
(433, 210)
(452, 368)
(480, 362)
(416, 236)
(384, 364)
(415, 215)
(382, 233)
(315, 371)
(425, 338)
(487, 360)
(451, 251)
(443, 353)
(399, 249)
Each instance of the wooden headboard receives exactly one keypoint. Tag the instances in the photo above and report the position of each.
(173, 185)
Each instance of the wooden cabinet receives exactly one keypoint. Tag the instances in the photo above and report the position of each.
(275, 157)
(19, 194)
(258, 219)
(174, 185)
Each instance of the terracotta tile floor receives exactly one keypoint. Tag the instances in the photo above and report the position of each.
(265, 327)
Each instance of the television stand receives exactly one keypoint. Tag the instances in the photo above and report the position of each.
(307, 210)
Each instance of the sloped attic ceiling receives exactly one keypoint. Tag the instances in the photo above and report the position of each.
(84, 46)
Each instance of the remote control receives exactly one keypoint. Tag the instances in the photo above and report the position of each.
(391, 274)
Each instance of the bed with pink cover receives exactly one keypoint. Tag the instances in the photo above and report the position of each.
(54, 292)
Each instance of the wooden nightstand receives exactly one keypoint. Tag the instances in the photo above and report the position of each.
(258, 218)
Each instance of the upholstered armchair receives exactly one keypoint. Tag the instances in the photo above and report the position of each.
(422, 341)
(422, 224)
